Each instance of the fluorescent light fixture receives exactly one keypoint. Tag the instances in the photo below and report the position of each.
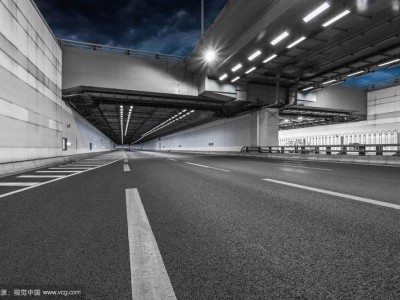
(237, 67)
(280, 38)
(223, 77)
(298, 41)
(250, 70)
(316, 12)
(389, 62)
(192, 111)
(356, 73)
(270, 58)
(307, 89)
(334, 19)
(329, 81)
(254, 55)
(235, 79)
(120, 106)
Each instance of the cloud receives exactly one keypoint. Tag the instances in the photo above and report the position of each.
(171, 27)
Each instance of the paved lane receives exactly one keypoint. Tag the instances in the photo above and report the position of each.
(233, 235)
(223, 232)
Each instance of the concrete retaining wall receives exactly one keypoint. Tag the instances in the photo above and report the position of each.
(33, 117)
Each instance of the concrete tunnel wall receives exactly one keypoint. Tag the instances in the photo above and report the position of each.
(251, 129)
(33, 117)
(108, 70)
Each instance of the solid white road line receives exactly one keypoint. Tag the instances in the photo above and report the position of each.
(40, 176)
(288, 165)
(207, 167)
(126, 168)
(60, 171)
(53, 180)
(395, 206)
(18, 183)
(71, 168)
(149, 278)
(172, 159)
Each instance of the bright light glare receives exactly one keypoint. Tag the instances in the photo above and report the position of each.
(316, 12)
(298, 41)
(223, 77)
(210, 56)
(254, 55)
(339, 16)
(280, 38)
(237, 67)
(270, 58)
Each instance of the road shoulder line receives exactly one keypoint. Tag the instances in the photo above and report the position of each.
(341, 195)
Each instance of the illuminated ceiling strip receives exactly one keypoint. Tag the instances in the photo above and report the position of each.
(250, 70)
(307, 89)
(339, 16)
(235, 79)
(280, 38)
(356, 73)
(237, 67)
(316, 12)
(330, 81)
(298, 41)
(389, 62)
(270, 58)
(254, 55)
(223, 77)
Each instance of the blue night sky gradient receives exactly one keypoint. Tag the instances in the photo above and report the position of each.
(377, 76)
(164, 26)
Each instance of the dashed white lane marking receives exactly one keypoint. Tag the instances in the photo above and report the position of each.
(172, 159)
(126, 168)
(149, 278)
(53, 180)
(125, 160)
(287, 165)
(207, 167)
(376, 202)
(40, 176)
(18, 183)
(59, 171)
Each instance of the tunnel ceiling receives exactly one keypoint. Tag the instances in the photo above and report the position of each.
(366, 37)
(359, 42)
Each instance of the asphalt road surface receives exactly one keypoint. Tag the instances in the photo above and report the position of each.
(225, 227)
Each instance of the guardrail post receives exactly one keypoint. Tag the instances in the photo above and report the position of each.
(296, 149)
(303, 150)
(282, 150)
(361, 150)
(328, 150)
(379, 150)
(316, 150)
(269, 149)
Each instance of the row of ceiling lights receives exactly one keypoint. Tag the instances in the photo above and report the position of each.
(182, 114)
(128, 119)
(121, 117)
(354, 74)
(283, 36)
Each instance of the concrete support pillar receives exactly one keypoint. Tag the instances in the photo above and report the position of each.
(264, 127)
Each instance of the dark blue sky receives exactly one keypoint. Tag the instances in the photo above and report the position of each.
(166, 26)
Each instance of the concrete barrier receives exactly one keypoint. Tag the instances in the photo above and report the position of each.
(349, 159)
